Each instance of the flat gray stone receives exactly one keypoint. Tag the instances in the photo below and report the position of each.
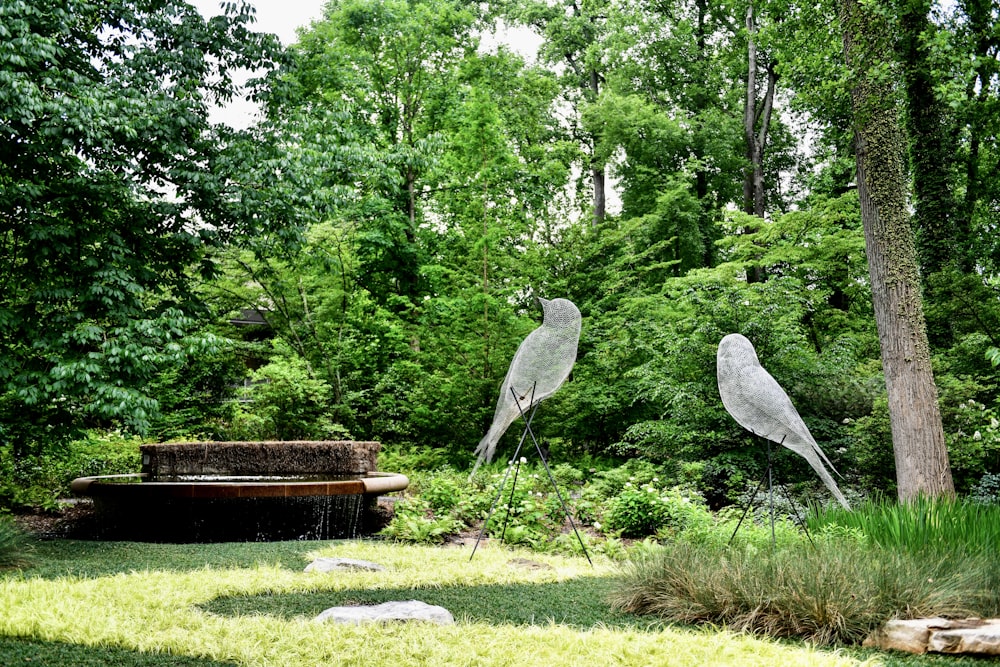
(326, 564)
(410, 610)
(527, 564)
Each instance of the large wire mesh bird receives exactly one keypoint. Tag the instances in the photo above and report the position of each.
(541, 364)
(758, 403)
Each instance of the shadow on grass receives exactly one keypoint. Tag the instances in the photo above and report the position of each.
(580, 603)
(16, 651)
(51, 559)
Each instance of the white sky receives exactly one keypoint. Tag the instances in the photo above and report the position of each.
(281, 17)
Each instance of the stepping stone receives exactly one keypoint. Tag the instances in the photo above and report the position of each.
(410, 610)
(326, 564)
(527, 564)
(969, 636)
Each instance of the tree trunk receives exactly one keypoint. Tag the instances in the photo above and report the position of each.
(756, 122)
(917, 434)
(597, 171)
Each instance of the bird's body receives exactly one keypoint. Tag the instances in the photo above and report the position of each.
(542, 363)
(758, 403)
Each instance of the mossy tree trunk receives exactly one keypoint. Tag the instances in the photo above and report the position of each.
(917, 434)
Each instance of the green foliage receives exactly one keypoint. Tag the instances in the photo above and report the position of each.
(198, 398)
(937, 526)
(39, 480)
(987, 490)
(14, 543)
(642, 510)
(104, 110)
(287, 402)
(415, 521)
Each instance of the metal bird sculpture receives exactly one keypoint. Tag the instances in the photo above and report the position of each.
(758, 403)
(542, 363)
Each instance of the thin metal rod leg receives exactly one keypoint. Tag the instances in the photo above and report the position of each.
(749, 505)
(503, 483)
(770, 491)
(510, 501)
(555, 486)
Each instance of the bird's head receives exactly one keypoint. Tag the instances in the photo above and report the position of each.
(736, 350)
(559, 312)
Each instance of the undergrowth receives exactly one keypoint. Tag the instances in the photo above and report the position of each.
(853, 572)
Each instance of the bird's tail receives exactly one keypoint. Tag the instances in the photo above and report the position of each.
(487, 447)
(814, 460)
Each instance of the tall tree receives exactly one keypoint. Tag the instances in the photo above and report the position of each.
(757, 110)
(383, 61)
(917, 434)
(113, 183)
(572, 30)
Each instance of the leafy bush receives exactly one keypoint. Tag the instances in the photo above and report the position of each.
(39, 480)
(987, 490)
(644, 510)
(415, 521)
(287, 402)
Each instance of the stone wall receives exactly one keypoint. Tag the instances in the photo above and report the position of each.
(317, 457)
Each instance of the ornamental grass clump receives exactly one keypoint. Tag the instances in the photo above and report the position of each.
(832, 592)
(921, 525)
(836, 587)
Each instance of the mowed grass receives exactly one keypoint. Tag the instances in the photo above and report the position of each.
(89, 603)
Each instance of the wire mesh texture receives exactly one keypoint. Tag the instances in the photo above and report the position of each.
(541, 364)
(758, 403)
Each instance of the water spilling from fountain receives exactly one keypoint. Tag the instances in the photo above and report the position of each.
(242, 491)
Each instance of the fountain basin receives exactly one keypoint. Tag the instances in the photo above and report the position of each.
(242, 491)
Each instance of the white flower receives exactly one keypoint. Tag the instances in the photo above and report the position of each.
(628, 485)
(977, 436)
(524, 460)
(597, 525)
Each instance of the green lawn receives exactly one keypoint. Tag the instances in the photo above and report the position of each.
(120, 603)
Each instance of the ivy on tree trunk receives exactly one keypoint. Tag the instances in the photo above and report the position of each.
(921, 455)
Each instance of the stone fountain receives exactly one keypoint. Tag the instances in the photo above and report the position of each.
(242, 491)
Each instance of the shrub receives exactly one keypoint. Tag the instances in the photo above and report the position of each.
(39, 480)
(987, 490)
(644, 510)
(415, 521)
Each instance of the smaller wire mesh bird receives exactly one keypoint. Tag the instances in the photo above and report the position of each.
(758, 403)
(541, 364)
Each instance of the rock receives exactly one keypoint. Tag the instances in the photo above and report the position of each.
(982, 640)
(411, 610)
(972, 636)
(327, 564)
(527, 564)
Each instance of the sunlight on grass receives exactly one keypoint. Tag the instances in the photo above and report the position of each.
(159, 611)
